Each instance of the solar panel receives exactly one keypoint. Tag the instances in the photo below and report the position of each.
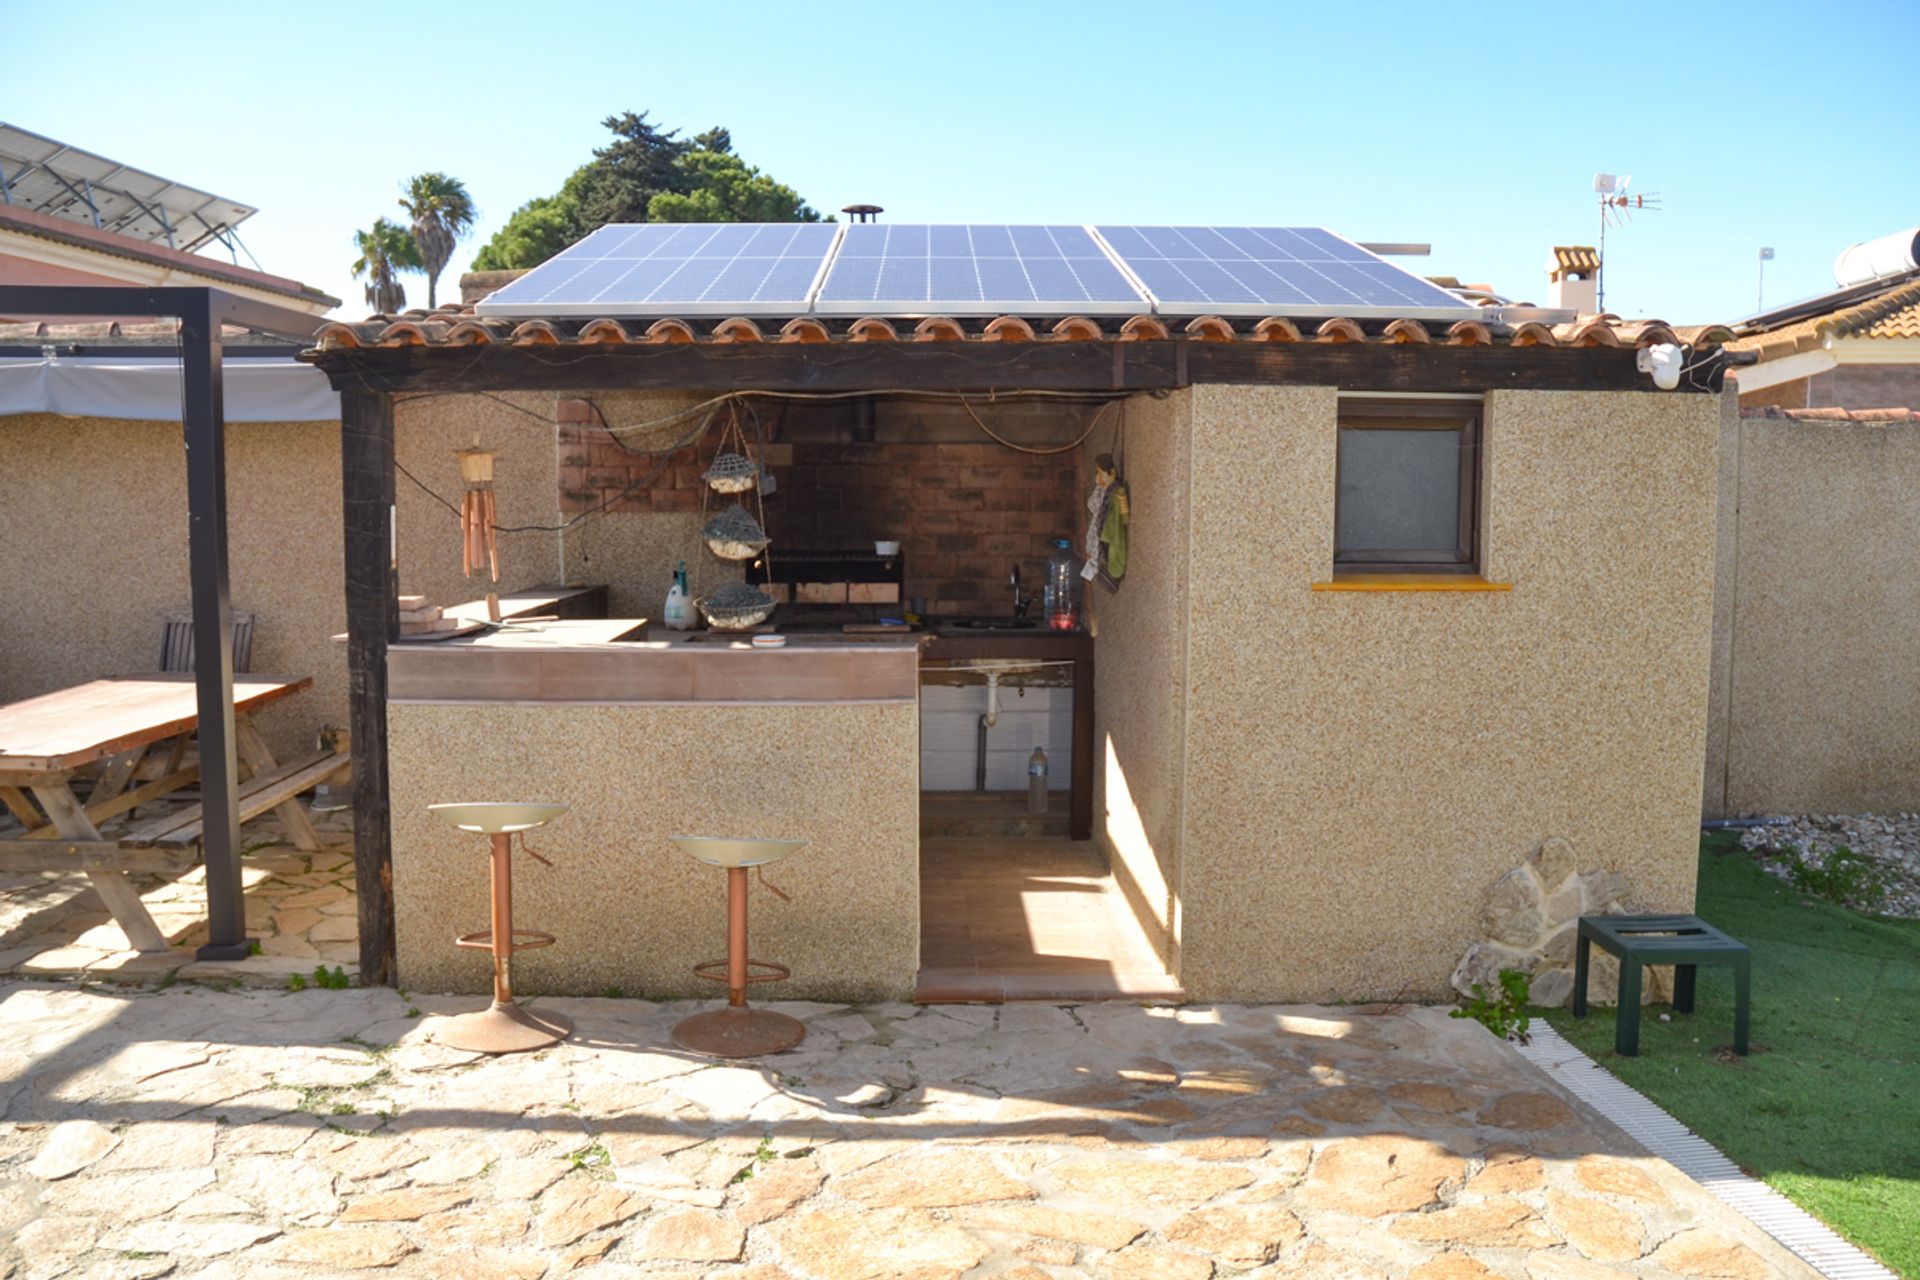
(1296, 271)
(677, 269)
(974, 269)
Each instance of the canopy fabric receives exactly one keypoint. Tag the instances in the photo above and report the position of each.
(254, 390)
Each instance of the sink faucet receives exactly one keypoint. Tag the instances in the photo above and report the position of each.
(1019, 602)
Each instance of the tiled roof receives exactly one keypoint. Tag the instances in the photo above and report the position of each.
(1576, 257)
(454, 325)
(1894, 313)
(60, 230)
(1865, 417)
(157, 333)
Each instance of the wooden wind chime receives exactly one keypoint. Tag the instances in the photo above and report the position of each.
(479, 541)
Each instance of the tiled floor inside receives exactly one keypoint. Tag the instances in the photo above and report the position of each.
(1008, 918)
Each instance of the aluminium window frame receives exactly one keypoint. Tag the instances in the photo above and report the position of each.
(1462, 415)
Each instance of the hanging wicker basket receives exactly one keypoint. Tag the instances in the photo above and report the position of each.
(734, 534)
(732, 473)
(736, 607)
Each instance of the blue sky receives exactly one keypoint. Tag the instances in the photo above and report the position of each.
(1475, 127)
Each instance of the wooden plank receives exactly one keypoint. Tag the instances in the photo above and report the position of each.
(269, 789)
(89, 722)
(259, 757)
(127, 800)
(23, 810)
(131, 913)
(373, 620)
(119, 773)
(92, 855)
(982, 366)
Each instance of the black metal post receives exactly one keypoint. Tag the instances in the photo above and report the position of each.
(204, 427)
(373, 618)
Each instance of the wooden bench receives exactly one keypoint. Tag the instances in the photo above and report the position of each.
(265, 790)
(1685, 942)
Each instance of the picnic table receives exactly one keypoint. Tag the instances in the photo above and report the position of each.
(113, 725)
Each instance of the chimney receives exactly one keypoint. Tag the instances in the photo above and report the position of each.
(863, 212)
(1572, 286)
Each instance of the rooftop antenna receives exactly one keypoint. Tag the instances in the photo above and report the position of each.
(1760, 298)
(1616, 209)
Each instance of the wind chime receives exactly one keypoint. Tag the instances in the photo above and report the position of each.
(479, 543)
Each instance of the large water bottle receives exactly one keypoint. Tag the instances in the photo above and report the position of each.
(1063, 587)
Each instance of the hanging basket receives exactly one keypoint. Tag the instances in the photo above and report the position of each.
(736, 607)
(732, 473)
(734, 534)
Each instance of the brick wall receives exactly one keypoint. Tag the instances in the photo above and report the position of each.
(964, 512)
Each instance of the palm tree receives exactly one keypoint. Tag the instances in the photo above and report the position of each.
(442, 213)
(385, 251)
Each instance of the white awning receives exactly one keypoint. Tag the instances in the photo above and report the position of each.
(257, 389)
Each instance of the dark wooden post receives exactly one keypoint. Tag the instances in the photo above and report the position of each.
(373, 618)
(203, 428)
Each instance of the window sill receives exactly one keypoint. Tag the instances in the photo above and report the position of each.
(1410, 582)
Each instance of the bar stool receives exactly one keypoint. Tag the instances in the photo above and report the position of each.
(738, 1031)
(504, 1027)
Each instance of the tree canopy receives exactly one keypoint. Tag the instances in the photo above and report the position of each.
(441, 212)
(385, 250)
(643, 175)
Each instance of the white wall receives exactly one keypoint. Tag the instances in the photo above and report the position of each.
(1029, 718)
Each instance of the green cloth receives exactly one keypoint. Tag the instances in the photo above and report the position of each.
(1113, 532)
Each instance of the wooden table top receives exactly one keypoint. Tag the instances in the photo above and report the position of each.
(71, 727)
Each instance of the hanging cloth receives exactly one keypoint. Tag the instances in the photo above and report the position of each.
(1108, 513)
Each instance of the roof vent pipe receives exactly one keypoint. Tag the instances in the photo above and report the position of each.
(1891, 255)
(863, 212)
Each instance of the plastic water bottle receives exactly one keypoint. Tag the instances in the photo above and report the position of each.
(1063, 587)
(1037, 781)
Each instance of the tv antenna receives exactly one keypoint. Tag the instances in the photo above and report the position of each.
(1617, 208)
(1760, 301)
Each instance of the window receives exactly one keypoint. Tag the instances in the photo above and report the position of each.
(1408, 487)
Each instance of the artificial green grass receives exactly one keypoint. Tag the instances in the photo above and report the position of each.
(1827, 1108)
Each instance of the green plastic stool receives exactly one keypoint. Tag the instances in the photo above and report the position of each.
(1685, 942)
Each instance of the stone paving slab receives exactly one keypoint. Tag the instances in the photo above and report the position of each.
(249, 1134)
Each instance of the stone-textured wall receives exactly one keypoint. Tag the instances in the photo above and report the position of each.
(1362, 766)
(95, 540)
(1820, 587)
(630, 909)
(1140, 692)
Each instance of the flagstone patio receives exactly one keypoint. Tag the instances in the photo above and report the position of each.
(195, 1132)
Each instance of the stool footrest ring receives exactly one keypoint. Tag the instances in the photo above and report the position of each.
(523, 940)
(757, 971)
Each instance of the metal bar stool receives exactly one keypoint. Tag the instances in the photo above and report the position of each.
(738, 1031)
(504, 1027)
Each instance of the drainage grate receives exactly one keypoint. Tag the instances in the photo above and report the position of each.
(1806, 1236)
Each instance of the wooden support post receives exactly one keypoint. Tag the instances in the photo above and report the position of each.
(373, 619)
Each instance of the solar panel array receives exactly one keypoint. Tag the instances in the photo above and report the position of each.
(975, 269)
(666, 268)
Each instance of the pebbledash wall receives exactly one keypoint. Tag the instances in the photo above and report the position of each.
(1816, 669)
(1352, 771)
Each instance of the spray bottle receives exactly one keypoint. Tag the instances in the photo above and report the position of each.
(678, 613)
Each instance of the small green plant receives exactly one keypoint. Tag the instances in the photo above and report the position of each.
(1504, 1012)
(334, 979)
(761, 1155)
(296, 983)
(614, 993)
(344, 1109)
(1841, 876)
(593, 1158)
(253, 946)
(413, 1011)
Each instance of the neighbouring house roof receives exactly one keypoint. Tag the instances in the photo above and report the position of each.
(108, 335)
(14, 219)
(455, 325)
(1891, 311)
(1862, 417)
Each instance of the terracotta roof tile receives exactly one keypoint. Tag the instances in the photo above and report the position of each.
(939, 329)
(1863, 417)
(1892, 314)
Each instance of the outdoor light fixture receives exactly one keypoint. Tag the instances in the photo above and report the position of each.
(1662, 360)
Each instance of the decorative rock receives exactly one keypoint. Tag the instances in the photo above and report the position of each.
(1156, 1264)
(884, 1242)
(1555, 862)
(1379, 1174)
(73, 1145)
(1101, 1230)
(1482, 965)
(1550, 988)
(1501, 1224)
(1163, 1185)
(1602, 892)
(409, 1204)
(579, 1206)
(1241, 1237)
(1707, 1253)
(929, 1182)
(1528, 1112)
(691, 1235)
(1594, 1227)
(1613, 1175)
(344, 1248)
(1513, 913)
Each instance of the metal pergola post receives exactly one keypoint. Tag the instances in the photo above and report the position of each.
(201, 313)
